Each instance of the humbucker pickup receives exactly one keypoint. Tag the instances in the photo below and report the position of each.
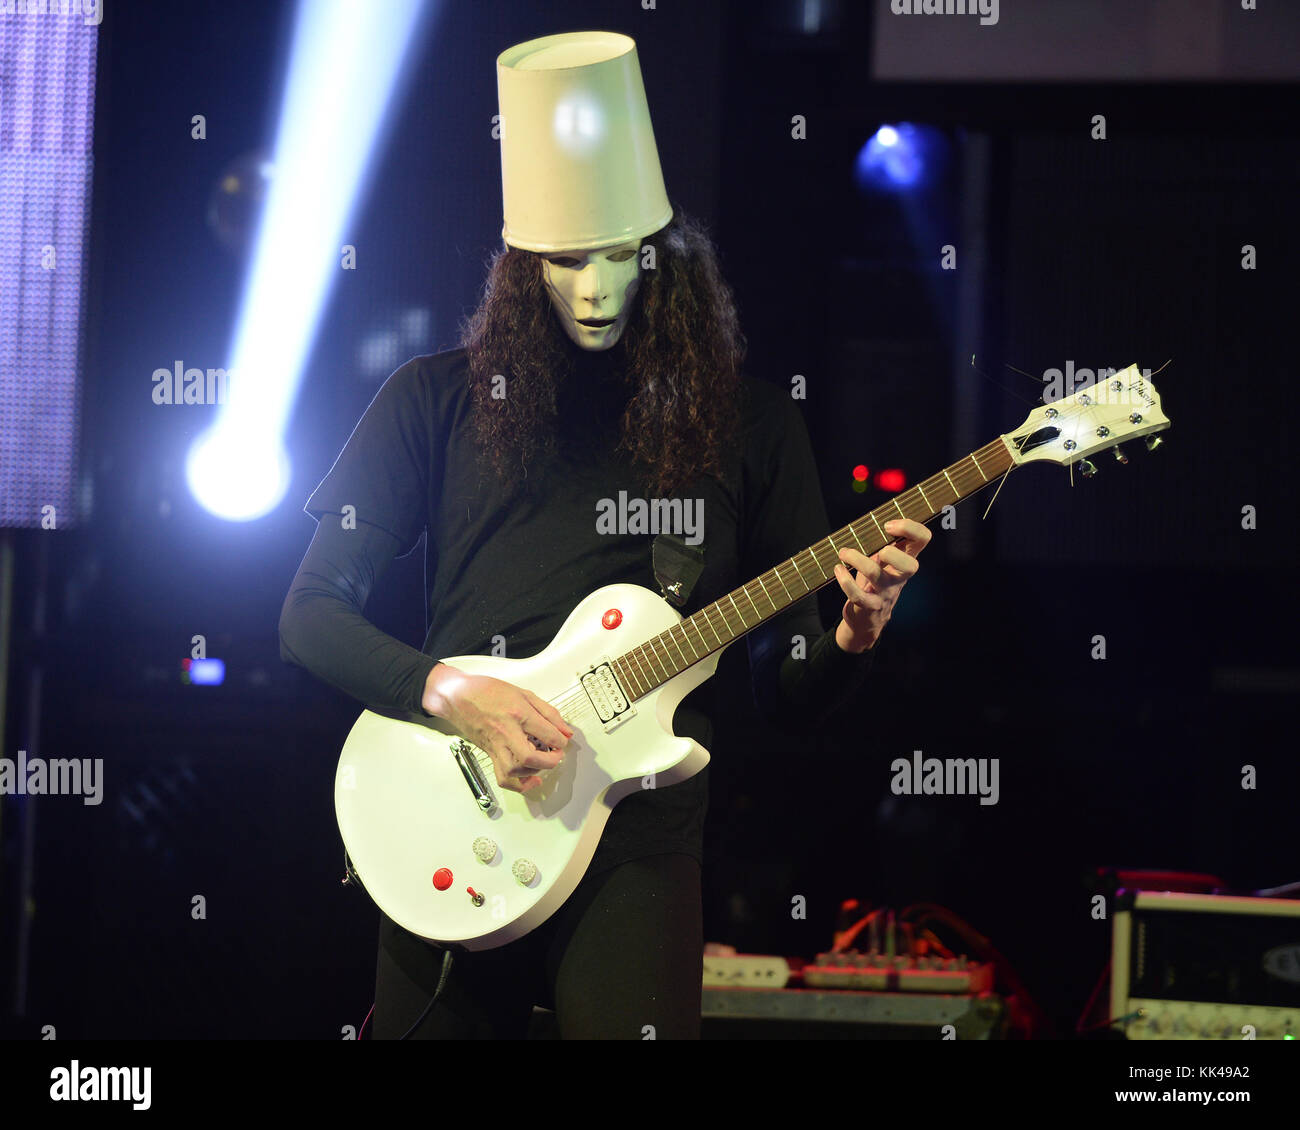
(606, 696)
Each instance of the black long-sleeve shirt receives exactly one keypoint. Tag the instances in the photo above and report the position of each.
(515, 566)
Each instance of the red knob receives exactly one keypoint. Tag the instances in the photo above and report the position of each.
(442, 878)
(612, 619)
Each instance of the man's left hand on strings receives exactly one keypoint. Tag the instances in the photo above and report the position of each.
(873, 590)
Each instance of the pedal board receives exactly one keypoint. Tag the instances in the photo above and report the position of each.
(879, 972)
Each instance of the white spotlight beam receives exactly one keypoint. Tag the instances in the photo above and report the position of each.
(345, 61)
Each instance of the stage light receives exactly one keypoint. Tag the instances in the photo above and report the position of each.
(892, 480)
(203, 672)
(860, 472)
(901, 157)
(48, 129)
(343, 70)
(237, 477)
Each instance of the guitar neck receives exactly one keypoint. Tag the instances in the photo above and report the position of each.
(716, 625)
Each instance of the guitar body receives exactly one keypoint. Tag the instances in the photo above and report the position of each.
(407, 813)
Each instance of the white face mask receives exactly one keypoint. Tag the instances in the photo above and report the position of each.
(587, 286)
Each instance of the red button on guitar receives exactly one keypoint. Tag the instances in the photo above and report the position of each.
(442, 878)
(612, 619)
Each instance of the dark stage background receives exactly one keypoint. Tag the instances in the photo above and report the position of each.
(1102, 252)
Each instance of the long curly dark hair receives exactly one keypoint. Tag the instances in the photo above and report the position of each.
(683, 351)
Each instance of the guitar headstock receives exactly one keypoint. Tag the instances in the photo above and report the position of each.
(1119, 407)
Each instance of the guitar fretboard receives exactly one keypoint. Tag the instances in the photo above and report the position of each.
(716, 625)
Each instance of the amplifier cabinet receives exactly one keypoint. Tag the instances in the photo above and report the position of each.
(1205, 967)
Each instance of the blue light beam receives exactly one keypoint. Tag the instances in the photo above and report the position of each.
(343, 70)
(900, 158)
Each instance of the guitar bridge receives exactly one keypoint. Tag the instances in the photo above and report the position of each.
(606, 695)
(463, 752)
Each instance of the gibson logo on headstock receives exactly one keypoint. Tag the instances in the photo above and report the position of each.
(1138, 389)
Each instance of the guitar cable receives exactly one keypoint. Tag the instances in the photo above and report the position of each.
(351, 878)
(442, 981)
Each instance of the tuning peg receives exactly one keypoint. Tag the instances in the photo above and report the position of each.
(1087, 469)
(1119, 454)
(1154, 442)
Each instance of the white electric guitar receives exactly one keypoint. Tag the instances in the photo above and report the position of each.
(451, 857)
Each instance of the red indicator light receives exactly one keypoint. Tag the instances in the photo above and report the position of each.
(892, 480)
(860, 472)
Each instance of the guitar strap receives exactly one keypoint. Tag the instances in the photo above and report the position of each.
(677, 567)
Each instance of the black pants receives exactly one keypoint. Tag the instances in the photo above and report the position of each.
(622, 959)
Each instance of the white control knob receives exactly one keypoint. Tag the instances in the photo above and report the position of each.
(525, 870)
(485, 849)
